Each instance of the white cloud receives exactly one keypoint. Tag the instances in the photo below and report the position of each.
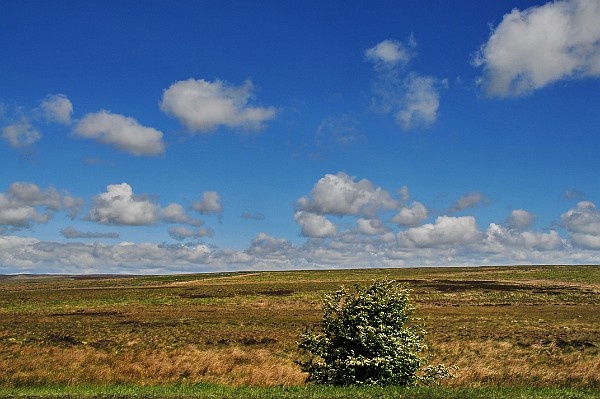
(414, 99)
(119, 206)
(209, 204)
(203, 105)
(21, 134)
(265, 245)
(470, 200)
(175, 213)
(371, 226)
(181, 233)
(390, 52)
(18, 215)
(585, 218)
(447, 230)
(583, 225)
(421, 102)
(57, 108)
(315, 226)
(520, 219)
(411, 216)
(538, 46)
(341, 195)
(503, 240)
(26, 203)
(32, 194)
(122, 132)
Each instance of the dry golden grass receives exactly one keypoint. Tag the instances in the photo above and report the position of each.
(493, 363)
(72, 366)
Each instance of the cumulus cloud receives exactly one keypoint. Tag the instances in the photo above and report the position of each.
(411, 216)
(22, 130)
(122, 132)
(533, 48)
(263, 244)
(202, 105)
(72, 233)
(414, 99)
(422, 102)
(583, 225)
(502, 240)
(520, 219)
(315, 226)
(341, 195)
(447, 230)
(371, 226)
(21, 134)
(209, 203)
(181, 233)
(25, 204)
(119, 206)
(471, 200)
(57, 108)
(175, 213)
(391, 53)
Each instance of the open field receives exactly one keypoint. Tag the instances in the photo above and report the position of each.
(502, 326)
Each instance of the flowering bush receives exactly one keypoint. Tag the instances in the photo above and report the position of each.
(365, 339)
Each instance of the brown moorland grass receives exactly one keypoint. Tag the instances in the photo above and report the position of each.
(507, 326)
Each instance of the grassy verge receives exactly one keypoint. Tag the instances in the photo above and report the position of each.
(213, 391)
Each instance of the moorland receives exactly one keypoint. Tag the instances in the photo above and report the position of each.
(506, 329)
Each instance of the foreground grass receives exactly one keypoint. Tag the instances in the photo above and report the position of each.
(206, 391)
(502, 326)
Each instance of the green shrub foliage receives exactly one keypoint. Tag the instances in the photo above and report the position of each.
(366, 338)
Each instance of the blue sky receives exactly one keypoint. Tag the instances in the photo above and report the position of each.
(194, 136)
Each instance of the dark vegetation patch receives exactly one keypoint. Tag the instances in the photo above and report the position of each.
(101, 276)
(470, 285)
(154, 324)
(450, 286)
(221, 294)
(102, 344)
(280, 292)
(245, 341)
(83, 312)
(203, 296)
(62, 339)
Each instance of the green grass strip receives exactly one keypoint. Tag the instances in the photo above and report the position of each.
(212, 391)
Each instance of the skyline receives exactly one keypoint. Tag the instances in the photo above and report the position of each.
(195, 137)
